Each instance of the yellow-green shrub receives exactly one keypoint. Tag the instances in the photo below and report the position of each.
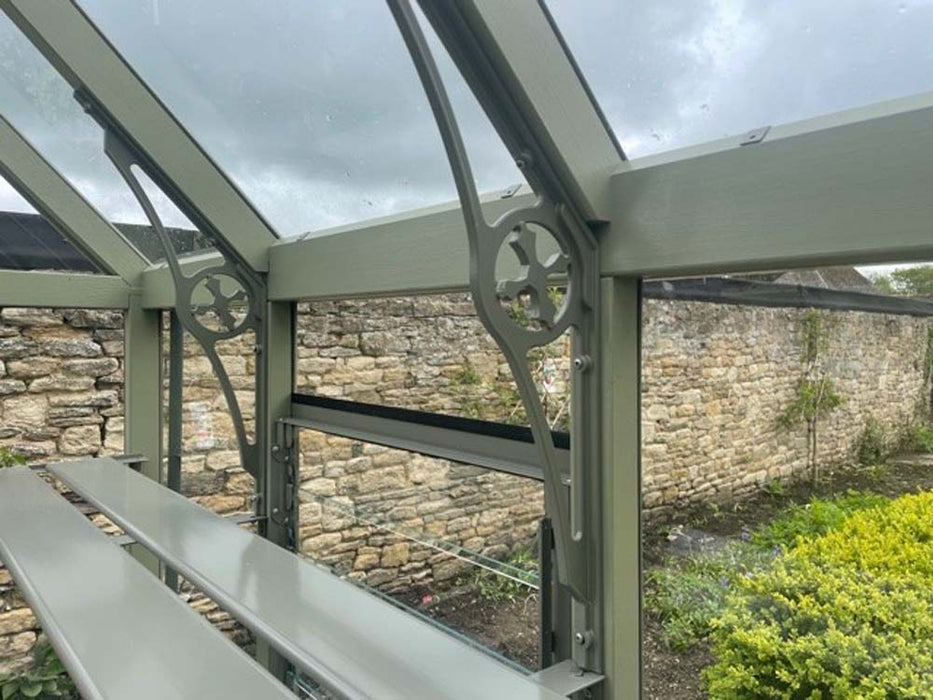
(846, 615)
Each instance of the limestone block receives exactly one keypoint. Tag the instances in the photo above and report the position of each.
(80, 440)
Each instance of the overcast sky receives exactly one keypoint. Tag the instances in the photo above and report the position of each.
(314, 110)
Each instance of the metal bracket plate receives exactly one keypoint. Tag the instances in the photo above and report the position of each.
(566, 678)
(755, 136)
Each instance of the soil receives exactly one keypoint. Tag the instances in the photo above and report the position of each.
(903, 475)
(510, 627)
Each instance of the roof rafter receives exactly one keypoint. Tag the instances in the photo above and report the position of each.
(71, 42)
(520, 70)
(54, 197)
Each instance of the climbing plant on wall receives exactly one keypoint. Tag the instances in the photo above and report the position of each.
(815, 395)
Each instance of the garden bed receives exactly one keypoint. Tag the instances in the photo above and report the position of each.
(509, 625)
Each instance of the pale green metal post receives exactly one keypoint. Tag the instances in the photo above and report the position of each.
(275, 361)
(142, 402)
(176, 354)
(620, 350)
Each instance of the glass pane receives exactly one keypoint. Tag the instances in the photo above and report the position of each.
(452, 543)
(39, 103)
(313, 109)
(776, 408)
(424, 353)
(29, 242)
(671, 74)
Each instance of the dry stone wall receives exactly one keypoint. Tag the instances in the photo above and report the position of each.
(715, 380)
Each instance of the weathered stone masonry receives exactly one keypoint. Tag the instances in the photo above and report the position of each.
(715, 379)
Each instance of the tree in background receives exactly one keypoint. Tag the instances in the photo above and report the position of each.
(908, 282)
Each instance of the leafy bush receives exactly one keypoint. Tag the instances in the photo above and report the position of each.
(688, 593)
(8, 458)
(813, 519)
(45, 679)
(845, 615)
(872, 445)
(917, 437)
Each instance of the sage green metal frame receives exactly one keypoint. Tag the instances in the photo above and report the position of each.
(843, 188)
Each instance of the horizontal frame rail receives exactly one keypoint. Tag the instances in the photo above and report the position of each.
(725, 290)
(845, 188)
(496, 446)
(63, 290)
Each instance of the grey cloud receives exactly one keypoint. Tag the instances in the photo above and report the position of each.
(314, 109)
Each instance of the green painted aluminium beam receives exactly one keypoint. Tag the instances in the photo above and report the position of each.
(419, 252)
(620, 482)
(69, 40)
(38, 288)
(516, 63)
(142, 403)
(42, 185)
(845, 188)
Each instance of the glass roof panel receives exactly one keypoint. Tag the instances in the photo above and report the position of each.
(29, 242)
(313, 109)
(669, 74)
(39, 103)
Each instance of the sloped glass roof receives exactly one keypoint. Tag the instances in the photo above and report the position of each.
(313, 109)
(670, 74)
(29, 242)
(39, 103)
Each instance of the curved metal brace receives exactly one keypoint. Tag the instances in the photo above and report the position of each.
(209, 279)
(577, 260)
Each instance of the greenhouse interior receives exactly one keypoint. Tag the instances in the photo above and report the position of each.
(466, 349)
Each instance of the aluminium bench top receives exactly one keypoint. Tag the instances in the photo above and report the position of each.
(353, 643)
(118, 630)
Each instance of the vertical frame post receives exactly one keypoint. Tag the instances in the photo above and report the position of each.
(620, 354)
(176, 359)
(142, 401)
(278, 453)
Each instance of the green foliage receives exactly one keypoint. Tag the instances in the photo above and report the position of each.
(814, 398)
(813, 335)
(882, 283)
(9, 458)
(845, 615)
(46, 678)
(928, 357)
(467, 375)
(872, 445)
(815, 395)
(917, 437)
(776, 487)
(813, 519)
(522, 569)
(909, 282)
(688, 593)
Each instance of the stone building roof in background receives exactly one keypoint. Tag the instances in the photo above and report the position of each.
(843, 278)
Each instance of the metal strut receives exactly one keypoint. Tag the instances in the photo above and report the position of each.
(204, 301)
(574, 516)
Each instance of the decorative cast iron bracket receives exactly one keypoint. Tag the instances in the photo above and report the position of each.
(576, 264)
(205, 300)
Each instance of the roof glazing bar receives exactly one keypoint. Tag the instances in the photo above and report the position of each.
(43, 187)
(70, 41)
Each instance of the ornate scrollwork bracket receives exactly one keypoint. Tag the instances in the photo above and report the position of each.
(575, 264)
(220, 302)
